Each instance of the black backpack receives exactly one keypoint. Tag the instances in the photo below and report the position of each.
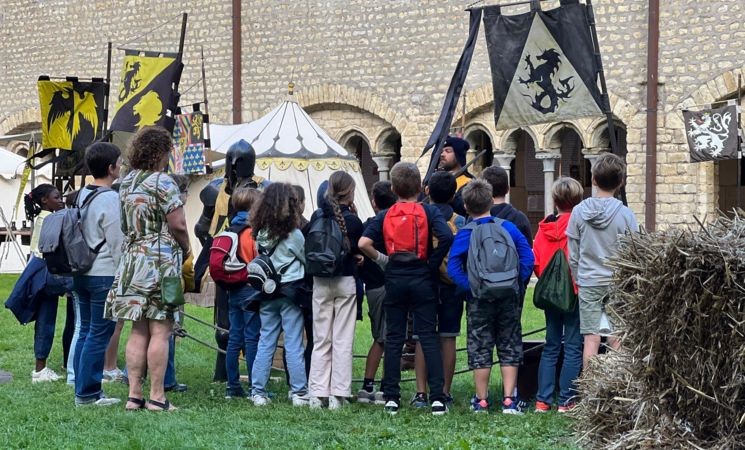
(263, 276)
(324, 248)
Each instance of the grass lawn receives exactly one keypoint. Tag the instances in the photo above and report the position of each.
(44, 415)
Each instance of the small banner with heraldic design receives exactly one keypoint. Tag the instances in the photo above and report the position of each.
(71, 113)
(187, 157)
(712, 133)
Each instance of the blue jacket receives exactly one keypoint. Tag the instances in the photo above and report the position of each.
(459, 254)
(34, 286)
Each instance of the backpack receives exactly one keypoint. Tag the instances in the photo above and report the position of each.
(263, 276)
(227, 269)
(554, 289)
(406, 232)
(61, 241)
(493, 263)
(444, 277)
(324, 248)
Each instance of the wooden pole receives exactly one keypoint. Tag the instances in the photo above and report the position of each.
(739, 140)
(206, 107)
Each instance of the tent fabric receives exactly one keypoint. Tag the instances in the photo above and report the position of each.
(12, 164)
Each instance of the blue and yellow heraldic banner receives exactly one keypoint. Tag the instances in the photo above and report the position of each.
(146, 95)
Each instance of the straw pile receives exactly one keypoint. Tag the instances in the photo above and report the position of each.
(679, 382)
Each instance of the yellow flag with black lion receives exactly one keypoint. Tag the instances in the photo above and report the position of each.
(146, 95)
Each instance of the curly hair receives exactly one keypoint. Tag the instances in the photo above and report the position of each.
(277, 212)
(147, 147)
(32, 200)
(340, 190)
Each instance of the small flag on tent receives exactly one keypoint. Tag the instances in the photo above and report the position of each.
(543, 65)
(146, 91)
(187, 157)
(712, 133)
(71, 113)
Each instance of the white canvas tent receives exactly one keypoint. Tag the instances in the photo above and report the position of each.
(291, 148)
(11, 169)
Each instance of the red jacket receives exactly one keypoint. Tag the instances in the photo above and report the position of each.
(551, 237)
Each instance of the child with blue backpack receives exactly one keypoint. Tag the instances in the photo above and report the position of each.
(491, 258)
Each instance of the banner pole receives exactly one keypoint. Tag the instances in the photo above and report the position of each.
(206, 108)
(601, 74)
(107, 92)
(739, 140)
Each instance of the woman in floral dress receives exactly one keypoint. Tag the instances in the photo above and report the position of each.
(157, 243)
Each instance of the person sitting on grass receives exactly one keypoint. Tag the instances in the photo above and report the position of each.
(492, 259)
(560, 327)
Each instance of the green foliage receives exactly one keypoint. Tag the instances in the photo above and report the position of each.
(44, 415)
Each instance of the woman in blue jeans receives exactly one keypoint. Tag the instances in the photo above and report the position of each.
(243, 312)
(101, 226)
(274, 222)
(551, 238)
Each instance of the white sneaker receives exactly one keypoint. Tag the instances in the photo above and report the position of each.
(370, 397)
(260, 400)
(300, 400)
(109, 376)
(106, 401)
(315, 403)
(44, 375)
(337, 402)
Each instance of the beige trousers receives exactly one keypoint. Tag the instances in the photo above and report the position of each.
(334, 315)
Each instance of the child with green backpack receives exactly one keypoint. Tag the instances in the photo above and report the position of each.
(561, 325)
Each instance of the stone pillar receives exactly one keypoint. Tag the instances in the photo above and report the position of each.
(592, 158)
(475, 167)
(383, 162)
(504, 161)
(549, 167)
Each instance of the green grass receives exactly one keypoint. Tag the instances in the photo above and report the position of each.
(44, 416)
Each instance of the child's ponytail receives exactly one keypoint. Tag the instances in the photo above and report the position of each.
(32, 200)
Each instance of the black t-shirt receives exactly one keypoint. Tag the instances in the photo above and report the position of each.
(506, 211)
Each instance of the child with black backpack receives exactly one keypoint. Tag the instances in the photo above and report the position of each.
(411, 269)
(492, 259)
(243, 312)
(331, 256)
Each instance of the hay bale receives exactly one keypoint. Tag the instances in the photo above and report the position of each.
(680, 380)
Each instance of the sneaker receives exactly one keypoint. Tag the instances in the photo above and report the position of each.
(237, 392)
(101, 401)
(337, 402)
(44, 375)
(299, 400)
(315, 403)
(542, 407)
(510, 406)
(391, 407)
(478, 405)
(449, 401)
(566, 408)
(110, 376)
(439, 408)
(363, 396)
(379, 398)
(260, 400)
(419, 401)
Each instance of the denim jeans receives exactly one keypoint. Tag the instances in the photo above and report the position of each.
(46, 319)
(280, 314)
(75, 338)
(245, 328)
(560, 325)
(95, 333)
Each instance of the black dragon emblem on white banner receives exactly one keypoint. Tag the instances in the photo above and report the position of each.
(543, 78)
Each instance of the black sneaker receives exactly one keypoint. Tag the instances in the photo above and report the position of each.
(235, 393)
(449, 401)
(439, 408)
(392, 406)
(420, 401)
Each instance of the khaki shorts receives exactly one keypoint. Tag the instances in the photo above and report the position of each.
(592, 301)
(375, 299)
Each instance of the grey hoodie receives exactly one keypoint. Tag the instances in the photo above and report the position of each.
(593, 237)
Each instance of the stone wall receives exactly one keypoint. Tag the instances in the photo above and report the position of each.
(375, 66)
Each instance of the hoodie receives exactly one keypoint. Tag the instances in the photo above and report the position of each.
(289, 253)
(550, 238)
(593, 231)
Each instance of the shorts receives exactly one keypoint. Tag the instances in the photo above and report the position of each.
(449, 311)
(592, 301)
(494, 322)
(375, 299)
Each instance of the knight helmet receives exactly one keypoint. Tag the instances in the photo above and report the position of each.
(239, 165)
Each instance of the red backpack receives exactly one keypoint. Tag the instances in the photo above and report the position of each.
(227, 268)
(406, 232)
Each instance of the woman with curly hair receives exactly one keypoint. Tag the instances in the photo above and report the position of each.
(274, 221)
(156, 244)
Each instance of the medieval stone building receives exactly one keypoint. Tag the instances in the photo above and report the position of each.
(374, 75)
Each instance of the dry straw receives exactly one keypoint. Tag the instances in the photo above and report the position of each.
(679, 381)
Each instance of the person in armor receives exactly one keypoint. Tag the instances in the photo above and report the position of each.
(215, 197)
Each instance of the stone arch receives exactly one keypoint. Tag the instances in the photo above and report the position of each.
(347, 95)
(715, 89)
(599, 138)
(22, 121)
(388, 142)
(509, 139)
(344, 135)
(551, 138)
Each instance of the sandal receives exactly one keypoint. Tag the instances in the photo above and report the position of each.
(164, 406)
(140, 402)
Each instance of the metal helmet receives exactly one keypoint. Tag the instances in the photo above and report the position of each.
(239, 165)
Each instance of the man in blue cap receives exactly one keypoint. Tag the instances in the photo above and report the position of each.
(453, 159)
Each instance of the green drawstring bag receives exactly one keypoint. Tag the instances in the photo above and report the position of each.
(554, 289)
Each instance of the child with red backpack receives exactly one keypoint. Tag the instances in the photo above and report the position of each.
(243, 313)
(411, 270)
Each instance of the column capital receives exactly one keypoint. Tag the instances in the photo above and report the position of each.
(504, 160)
(547, 155)
(383, 161)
